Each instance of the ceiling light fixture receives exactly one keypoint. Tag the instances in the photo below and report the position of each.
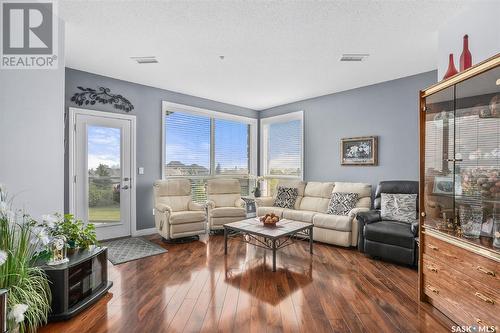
(145, 60)
(354, 56)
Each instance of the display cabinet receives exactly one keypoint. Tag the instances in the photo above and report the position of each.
(459, 268)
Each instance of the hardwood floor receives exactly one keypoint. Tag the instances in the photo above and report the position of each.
(195, 288)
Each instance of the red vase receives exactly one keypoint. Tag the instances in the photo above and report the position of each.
(466, 56)
(451, 68)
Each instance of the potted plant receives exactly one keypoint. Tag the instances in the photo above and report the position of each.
(78, 235)
(21, 241)
(256, 191)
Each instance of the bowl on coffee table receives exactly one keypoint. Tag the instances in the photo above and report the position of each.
(269, 220)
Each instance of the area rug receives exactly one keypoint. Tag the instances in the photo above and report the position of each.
(128, 249)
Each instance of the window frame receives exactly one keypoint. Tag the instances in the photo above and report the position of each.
(187, 109)
(264, 139)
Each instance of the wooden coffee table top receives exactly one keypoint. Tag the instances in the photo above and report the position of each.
(283, 228)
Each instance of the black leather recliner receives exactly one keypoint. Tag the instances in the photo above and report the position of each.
(387, 239)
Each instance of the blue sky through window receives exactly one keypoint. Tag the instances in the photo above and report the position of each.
(231, 146)
(188, 142)
(103, 144)
(187, 139)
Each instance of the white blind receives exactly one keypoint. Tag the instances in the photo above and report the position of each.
(200, 147)
(187, 144)
(232, 147)
(284, 148)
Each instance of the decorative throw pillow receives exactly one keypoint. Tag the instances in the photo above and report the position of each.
(342, 203)
(399, 207)
(286, 197)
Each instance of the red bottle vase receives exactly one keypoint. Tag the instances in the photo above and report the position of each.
(466, 56)
(451, 68)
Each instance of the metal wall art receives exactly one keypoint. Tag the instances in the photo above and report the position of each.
(102, 95)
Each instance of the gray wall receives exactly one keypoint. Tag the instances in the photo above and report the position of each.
(147, 102)
(388, 110)
(32, 135)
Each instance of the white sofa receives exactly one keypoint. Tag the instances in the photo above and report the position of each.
(311, 206)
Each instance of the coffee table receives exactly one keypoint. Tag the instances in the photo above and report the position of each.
(252, 231)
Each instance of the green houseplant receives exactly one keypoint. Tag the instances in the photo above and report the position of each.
(78, 234)
(21, 240)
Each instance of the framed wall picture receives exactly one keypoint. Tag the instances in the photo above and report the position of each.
(359, 151)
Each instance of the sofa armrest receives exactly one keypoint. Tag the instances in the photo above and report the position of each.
(240, 203)
(369, 216)
(210, 204)
(364, 218)
(354, 212)
(264, 201)
(195, 206)
(163, 208)
(414, 228)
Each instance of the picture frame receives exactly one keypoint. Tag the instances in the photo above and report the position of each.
(360, 151)
(444, 185)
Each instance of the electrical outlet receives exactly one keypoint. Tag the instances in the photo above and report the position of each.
(141, 170)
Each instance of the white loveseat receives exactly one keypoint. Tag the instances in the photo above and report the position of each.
(311, 206)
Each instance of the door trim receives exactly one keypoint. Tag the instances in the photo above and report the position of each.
(73, 112)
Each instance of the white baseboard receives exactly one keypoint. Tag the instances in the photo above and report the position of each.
(144, 232)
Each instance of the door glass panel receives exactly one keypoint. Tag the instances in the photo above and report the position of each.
(439, 144)
(477, 153)
(104, 171)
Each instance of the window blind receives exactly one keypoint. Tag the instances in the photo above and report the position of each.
(232, 147)
(187, 144)
(284, 148)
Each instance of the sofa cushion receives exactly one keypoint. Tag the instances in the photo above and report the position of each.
(390, 232)
(333, 222)
(187, 217)
(286, 197)
(261, 211)
(298, 184)
(363, 190)
(342, 203)
(299, 215)
(399, 207)
(172, 187)
(228, 212)
(316, 196)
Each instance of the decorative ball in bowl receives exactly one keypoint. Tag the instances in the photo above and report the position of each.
(269, 220)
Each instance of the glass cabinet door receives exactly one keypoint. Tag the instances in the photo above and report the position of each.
(439, 181)
(477, 154)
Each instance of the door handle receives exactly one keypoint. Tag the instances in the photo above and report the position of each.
(125, 187)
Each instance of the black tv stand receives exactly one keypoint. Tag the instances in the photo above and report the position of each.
(79, 283)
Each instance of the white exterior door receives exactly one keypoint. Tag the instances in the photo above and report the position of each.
(103, 152)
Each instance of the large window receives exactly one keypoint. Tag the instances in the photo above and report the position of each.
(282, 148)
(201, 144)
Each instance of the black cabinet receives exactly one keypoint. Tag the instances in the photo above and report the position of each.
(77, 284)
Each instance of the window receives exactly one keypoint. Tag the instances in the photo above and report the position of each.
(282, 148)
(201, 144)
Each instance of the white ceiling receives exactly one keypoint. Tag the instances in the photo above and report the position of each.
(275, 52)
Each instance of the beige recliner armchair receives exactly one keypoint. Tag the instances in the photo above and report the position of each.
(224, 202)
(176, 214)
